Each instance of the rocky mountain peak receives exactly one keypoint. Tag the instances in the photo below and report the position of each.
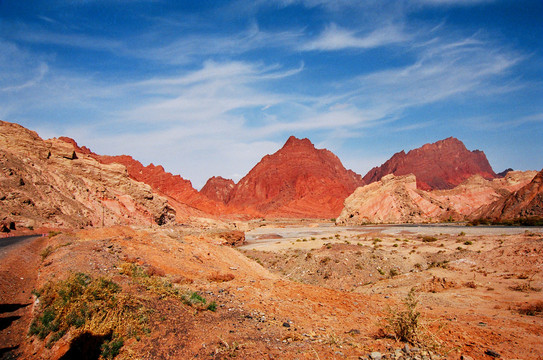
(218, 188)
(440, 165)
(294, 142)
(297, 180)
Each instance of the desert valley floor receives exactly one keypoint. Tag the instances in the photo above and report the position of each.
(294, 290)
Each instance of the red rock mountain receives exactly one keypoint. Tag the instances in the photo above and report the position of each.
(527, 202)
(296, 181)
(186, 200)
(441, 165)
(218, 189)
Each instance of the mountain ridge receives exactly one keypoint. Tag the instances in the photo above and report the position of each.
(437, 166)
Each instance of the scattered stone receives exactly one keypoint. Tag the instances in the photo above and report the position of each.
(492, 353)
(286, 324)
(466, 357)
(406, 349)
(376, 355)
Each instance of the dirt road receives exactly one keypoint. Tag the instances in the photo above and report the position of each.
(19, 262)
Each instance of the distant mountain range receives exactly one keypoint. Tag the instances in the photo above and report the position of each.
(56, 182)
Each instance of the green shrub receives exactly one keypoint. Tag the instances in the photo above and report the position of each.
(404, 324)
(112, 348)
(85, 304)
(429, 239)
(212, 306)
(46, 252)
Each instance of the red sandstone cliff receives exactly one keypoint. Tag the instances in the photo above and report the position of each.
(296, 181)
(441, 165)
(172, 186)
(186, 200)
(218, 189)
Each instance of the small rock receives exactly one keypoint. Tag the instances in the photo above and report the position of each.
(492, 353)
(466, 357)
(406, 349)
(376, 355)
(286, 324)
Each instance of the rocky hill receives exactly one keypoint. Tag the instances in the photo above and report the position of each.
(396, 199)
(393, 199)
(441, 165)
(186, 200)
(526, 202)
(218, 189)
(296, 181)
(52, 183)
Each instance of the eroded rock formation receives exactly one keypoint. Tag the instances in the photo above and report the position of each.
(51, 183)
(218, 189)
(441, 165)
(396, 199)
(526, 202)
(296, 181)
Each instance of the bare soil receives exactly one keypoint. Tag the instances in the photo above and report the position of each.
(320, 298)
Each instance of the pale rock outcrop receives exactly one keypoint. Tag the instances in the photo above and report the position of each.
(48, 183)
(393, 199)
(396, 199)
(526, 202)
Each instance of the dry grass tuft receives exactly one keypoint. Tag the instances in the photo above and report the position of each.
(404, 324)
(164, 287)
(526, 287)
(217, 277)
(84, 304)
(533, 309)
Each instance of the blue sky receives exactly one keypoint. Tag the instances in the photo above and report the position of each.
(209, 87)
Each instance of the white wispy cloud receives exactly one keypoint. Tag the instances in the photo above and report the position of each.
(336, 38)
(443, 70)
(214, 111)
(496, 121)
(190, 47)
